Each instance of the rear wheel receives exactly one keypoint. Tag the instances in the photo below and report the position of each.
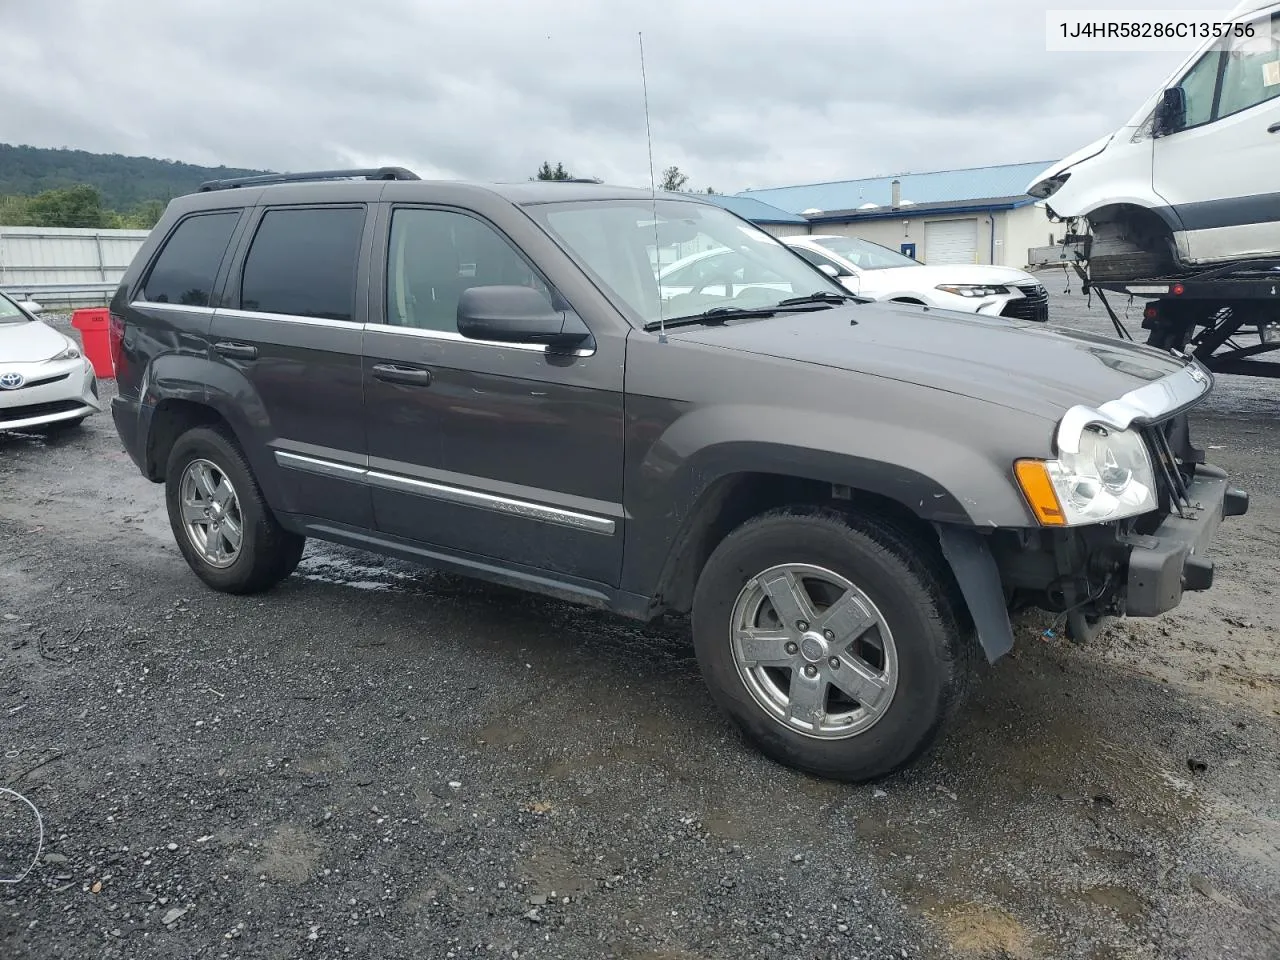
(832, 641)
(220, 520)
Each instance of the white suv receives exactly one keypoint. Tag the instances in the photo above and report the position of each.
(876, 272)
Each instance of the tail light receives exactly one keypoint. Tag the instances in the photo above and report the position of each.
(116, 334)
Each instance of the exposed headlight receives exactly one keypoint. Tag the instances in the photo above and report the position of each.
(1047, 188)
(972, 289)
(1111, 477)
(71, 352)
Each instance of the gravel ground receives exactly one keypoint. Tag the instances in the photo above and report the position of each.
(376, 760)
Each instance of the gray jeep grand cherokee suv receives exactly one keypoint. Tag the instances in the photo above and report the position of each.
(850, 497)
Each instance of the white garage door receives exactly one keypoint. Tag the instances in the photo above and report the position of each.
(951, 241)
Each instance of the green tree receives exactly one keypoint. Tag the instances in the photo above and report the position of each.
(15, 211)
(144, 216)
(547, 172)
(673, 180)
(77, 206)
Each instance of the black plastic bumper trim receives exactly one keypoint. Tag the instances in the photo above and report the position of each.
(1172, 559)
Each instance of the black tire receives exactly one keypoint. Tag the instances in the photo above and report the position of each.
(902, 575)
(268, 553)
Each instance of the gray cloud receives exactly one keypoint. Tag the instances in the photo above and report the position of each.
(746, 93)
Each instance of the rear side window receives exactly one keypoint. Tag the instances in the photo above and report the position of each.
(188, 264)
(302, 263)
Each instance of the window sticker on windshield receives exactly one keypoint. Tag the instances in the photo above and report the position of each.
(755, 234)
(1271, 73)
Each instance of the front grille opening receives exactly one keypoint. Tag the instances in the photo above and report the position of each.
(1033, 305)
(1173, 459)
(13, 414)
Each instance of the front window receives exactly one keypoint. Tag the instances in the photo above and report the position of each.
(9, 312)
(864, 254)
(690, 258)
(1251, 73)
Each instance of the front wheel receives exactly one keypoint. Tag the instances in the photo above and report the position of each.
(832, 641)
(220, 520)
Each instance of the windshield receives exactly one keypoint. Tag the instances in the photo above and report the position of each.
(9, 312)
(695, 257)
(864, 254)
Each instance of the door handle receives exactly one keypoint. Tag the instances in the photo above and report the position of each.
(240, 351)
(1274, 128)
(394, 373)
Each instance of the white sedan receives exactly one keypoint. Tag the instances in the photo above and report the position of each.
(878, 273)
(46, 384)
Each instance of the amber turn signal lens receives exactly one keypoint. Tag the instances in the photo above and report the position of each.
(1037, 487)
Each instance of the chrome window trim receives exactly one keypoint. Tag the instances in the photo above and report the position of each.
(184, 307)
(452, 336)
(586, 522)
(291, 318)
(447, 336)
(1151, 401)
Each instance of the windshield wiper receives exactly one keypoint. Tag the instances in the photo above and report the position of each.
(720, 315)
(820, 296)
(714, 315)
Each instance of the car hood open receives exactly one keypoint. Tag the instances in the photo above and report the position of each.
(1033, 367)
(29, 342)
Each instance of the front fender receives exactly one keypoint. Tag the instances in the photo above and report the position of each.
(937, 477)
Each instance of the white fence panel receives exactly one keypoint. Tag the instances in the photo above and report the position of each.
(65, 255)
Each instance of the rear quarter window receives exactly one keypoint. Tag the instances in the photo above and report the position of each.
(302, 263)
(187, 267)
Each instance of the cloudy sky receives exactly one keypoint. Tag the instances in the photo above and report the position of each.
(742, 93)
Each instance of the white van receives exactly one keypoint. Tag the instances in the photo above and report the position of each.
(1193, 178)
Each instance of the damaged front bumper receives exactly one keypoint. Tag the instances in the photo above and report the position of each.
(1137, 568)
(1172, 559)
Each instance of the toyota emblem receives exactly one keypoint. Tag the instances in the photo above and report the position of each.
(11, 381)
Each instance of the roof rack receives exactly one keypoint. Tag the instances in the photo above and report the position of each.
(378, 173)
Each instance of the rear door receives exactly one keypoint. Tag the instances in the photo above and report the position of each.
(507, 451)
(1221, 172)
(290, 339)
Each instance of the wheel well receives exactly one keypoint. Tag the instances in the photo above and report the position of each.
(1126, 221)
(732, 500)
(171, 420)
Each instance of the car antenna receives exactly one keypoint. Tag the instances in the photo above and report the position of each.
(653, 195)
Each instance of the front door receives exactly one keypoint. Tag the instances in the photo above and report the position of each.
(293, 334)
(1219, 173)
(493, 450)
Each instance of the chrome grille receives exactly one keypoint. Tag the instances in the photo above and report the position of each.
(1034, 304)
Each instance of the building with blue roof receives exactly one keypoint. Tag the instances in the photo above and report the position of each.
(973, 215)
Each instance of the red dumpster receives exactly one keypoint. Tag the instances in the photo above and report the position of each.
(95, 334)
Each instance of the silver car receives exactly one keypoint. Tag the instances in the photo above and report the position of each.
(46, 384)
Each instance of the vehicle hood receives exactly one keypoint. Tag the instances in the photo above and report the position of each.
(1034, 367)
(927, 277)
(1084, 153)
(29, 342)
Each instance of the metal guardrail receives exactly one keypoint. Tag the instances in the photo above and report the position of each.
(64, 293)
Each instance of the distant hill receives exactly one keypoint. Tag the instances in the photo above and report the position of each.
(123, 182)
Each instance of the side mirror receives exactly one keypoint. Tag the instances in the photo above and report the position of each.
(30, 306)
(829, 270)
(1171, 112)
(512, 314)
